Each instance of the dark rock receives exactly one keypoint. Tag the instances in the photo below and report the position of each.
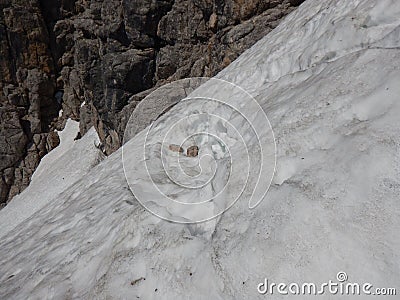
(53, 140)
(27, 86)
(296, 2)
(192, 151)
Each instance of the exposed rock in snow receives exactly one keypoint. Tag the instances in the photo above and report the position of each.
(192, 151)
(327, 78)
(175, 148)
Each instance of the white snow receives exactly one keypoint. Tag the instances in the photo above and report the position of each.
(327, 78)
(58, 170)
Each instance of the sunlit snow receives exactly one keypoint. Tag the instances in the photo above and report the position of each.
(328, 79)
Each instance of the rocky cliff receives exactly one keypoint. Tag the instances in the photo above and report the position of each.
(96, 60)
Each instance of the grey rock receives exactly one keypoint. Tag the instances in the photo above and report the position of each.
(27, 86)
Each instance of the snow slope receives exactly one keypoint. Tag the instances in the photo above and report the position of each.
(57, 171)
(327, 79)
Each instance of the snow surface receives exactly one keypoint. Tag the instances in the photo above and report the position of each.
(58, 170)
(327, 77)
(233, 135)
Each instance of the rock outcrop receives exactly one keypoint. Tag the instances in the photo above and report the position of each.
(97, 59)
(28, 85)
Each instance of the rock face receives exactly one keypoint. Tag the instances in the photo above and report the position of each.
(98, 59)
(28, 84)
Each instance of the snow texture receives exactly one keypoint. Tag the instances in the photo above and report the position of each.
(57, 171)
(328, 79)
